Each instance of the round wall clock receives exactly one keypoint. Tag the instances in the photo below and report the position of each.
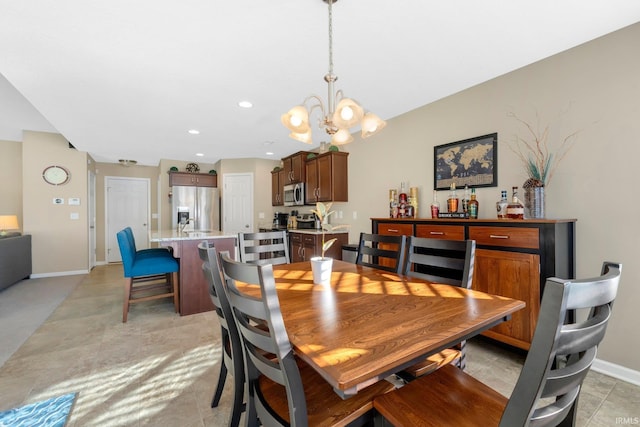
(56, 175)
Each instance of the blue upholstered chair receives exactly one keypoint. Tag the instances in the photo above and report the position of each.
(149, 276)
(146, 252)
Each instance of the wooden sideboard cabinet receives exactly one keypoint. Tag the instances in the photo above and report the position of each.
(513, 259)
(193, 179)
(306, 245)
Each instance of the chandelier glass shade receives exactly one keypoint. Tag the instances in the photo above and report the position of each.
(336, 120)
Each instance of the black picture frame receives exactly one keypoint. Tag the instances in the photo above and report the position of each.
(472, 162)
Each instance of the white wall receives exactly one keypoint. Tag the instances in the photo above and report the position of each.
(598, 84)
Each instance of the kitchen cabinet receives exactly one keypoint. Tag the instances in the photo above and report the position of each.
(327, 178)
(193, 179)
(513, 259)
(277, 187)
(309, 244)
(294, 169)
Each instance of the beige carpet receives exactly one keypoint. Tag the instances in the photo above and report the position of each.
(26, 305)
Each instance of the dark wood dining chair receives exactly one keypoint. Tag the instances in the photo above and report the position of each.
(231, 347)
(385, 252)
(268, 247)
(546, 393)
(442, 261)
(282, 390)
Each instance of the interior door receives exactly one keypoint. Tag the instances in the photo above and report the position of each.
(92, 219)
(127, 205)
(237, 202)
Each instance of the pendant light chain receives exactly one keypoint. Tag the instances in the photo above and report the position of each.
(336, 120)
(330, 38)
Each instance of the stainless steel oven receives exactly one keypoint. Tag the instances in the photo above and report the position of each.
(294, 194)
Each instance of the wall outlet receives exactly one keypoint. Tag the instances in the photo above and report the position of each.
(261, 215)
(74, 215)
(340, 214)
(355, 215)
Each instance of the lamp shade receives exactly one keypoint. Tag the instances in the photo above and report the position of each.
(341, 137)
(302, 137)
(372, 124)
(296, 119)
(9, 222)
(348, 113)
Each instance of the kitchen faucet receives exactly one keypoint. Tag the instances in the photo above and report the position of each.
(183, 224)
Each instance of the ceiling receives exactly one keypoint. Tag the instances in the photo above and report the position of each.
(126, 79)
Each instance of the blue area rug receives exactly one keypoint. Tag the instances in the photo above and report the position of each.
(48, 413)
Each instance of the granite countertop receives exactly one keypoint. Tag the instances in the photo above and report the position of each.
(172, 235)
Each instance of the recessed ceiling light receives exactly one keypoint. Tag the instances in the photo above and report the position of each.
(199, 154)
(245, 104)
(269, 153)
(194, 131)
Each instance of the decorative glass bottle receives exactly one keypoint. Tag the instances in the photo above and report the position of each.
(393, 203)
(402, 201)
(473, 205)
(435, 205)
(452, 201)
(515, 209)
(501, 205)
(465, 200)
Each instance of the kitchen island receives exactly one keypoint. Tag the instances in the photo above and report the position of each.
(194, 289)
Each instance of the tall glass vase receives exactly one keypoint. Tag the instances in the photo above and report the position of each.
(534, 202)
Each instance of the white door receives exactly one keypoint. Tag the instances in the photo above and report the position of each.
(237, 202)
(92, 219)
(127, 205)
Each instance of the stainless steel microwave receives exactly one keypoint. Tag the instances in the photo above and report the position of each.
(294, 194)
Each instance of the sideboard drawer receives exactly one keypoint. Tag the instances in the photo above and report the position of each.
(515, 237)
(444, 232)
(395, 229)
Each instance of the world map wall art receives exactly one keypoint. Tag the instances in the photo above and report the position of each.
(472, 162)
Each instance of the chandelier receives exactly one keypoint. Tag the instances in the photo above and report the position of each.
(336, 120)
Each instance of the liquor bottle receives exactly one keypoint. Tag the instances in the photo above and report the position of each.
(515, 209)
(393, 203)
(413, 200)
(435, 205)
(452, 201)
(402, 201)
(473, 205)
(465, 200)
(501, 205)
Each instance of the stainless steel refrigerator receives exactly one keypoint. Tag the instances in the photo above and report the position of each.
(199, 206)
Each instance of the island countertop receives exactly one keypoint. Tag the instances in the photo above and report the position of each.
(172, 235)
(316, 232)
(194, 288)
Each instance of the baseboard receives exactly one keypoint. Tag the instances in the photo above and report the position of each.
(616, 371)
(59, 273)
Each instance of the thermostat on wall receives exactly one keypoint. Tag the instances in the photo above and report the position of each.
(58, 201)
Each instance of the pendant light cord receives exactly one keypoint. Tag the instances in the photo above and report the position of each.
(330, 38)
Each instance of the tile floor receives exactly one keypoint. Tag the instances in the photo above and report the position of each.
(159, 369)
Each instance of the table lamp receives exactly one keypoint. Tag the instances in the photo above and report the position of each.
(8, 222)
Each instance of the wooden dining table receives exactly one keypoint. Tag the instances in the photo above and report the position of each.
(369, 323)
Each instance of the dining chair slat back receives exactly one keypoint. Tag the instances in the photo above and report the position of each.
(278, 383)
(546, 392)
(267, 247)
(231, 346)
(382, 251)
(442, 261)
